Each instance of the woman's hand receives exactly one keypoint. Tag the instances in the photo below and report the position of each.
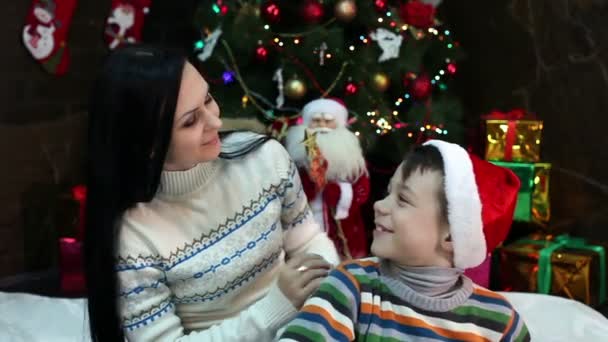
(301, 276)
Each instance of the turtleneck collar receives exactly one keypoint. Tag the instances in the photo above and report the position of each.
(430, 288)
(179, 183)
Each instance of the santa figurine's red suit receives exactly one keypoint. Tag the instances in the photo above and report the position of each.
(338, 185)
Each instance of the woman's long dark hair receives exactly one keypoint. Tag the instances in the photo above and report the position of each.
(130, 122)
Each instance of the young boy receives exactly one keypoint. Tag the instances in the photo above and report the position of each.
(444, 212)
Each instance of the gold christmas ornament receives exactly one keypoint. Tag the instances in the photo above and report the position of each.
(295, 88)
(345, 10)
(380, 81)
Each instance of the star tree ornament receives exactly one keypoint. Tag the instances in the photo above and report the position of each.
(389, 42)
(318, 164)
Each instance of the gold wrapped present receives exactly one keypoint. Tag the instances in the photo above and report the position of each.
(563, 266)
(511, 138)
(541, 206)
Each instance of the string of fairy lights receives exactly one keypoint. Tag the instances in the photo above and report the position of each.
(382, 122)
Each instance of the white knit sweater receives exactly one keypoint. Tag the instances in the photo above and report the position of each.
(200, 261)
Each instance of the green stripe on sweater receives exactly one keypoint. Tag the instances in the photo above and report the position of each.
(523, 332)
(300, 330)
(336, 294)
(480, 312)
(376, 338)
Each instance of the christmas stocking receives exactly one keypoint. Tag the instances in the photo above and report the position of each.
(45, 33)
(125, 22)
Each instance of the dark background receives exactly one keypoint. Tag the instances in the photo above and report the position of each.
(547, 56)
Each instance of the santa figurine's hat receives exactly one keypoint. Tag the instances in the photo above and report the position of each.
(325, 108)
(481, 199)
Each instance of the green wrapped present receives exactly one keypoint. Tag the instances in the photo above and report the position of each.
(533, 198)
(562, 265)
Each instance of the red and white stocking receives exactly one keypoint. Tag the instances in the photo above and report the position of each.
(45, 33)
(125, 22)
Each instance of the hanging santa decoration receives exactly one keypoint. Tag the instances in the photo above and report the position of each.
(125, 22)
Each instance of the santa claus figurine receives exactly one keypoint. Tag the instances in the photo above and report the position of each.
(333, 172)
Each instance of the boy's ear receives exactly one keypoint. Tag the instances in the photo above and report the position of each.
(446, 241)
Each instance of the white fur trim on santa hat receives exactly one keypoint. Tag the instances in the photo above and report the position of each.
(325, 107)
(464, 205)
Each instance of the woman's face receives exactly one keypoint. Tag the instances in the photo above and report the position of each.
(195, 137)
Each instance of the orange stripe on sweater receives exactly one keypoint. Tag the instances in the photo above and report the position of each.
(350, 277)
(330, 320)
(483, 292)
(418, 323)
(509, 325)
(364, 263)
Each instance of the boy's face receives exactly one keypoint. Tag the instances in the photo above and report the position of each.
(409, 230)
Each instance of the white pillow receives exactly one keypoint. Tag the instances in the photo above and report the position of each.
(27, 317)
(557, 319)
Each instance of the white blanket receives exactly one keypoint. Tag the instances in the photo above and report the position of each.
(25, 317)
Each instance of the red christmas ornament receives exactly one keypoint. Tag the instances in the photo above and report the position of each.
(312, 11)
(261, 54)
(452, 68)
(271, 12)
(381, 5)
(418, 14)
(408, 78)
(420, 88)
(223, 7)
(351, 88)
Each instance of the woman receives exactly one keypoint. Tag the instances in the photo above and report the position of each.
(188, 229)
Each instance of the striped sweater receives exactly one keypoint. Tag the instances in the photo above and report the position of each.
(354, 303)
(200, 261)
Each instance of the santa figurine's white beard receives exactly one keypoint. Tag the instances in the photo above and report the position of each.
(340, 147)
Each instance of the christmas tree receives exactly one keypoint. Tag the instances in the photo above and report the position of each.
(391, 62)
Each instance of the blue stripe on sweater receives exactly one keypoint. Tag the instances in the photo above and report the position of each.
(404, 329)
(316, 318)
(166, 267)
(354, 293)
(490, 300)
(143, 322)
(509, 336)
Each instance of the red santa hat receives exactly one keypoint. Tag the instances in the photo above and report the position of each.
(481, 199)
(325, 108)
